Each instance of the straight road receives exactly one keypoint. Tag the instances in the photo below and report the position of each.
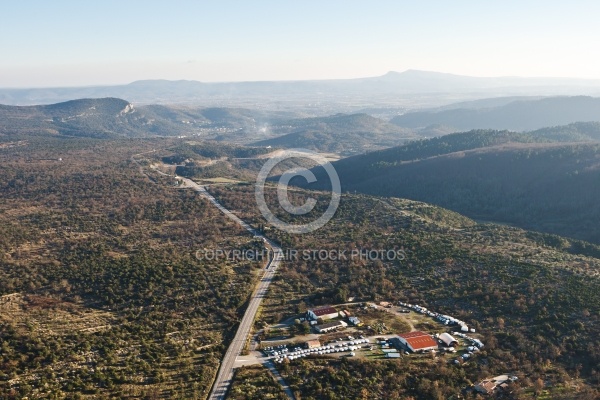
(225, 374)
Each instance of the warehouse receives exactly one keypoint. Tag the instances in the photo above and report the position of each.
(418, 341)
(327, 312)
(330, 326)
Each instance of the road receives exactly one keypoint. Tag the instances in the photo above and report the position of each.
(286, 388)
(225, 374)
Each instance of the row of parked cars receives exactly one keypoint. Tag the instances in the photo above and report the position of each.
(276, 350)
(353, 342)
(280, 354)
(318, 350)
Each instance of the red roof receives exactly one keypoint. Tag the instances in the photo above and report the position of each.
(324, 311)
(419, 340)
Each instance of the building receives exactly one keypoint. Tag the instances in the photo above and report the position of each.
(326, 312)
(487, 386)
(313, 344)
(448, 340)
(330, 326)
(392, 355)
(355, 321)
(418, 341)
(395, 341)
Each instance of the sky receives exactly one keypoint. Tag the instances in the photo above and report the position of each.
(82, 43)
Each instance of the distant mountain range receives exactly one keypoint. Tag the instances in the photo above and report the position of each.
(545, 180)
(343, 91)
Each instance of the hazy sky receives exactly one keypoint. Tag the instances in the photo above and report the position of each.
(68, 43)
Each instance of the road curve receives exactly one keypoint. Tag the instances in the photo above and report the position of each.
(225, 374)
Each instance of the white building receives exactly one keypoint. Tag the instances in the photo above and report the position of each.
(330, 326)
(326, 312)
(448, 339)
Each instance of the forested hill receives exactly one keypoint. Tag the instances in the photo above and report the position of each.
(363, 166)
(520, 115)
(532, 180)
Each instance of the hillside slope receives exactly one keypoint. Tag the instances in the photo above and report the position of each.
(518, 289)
(108, 117)
(531, 180)
(340, 133)
(521, 115)
(111, 117)
(85, 117)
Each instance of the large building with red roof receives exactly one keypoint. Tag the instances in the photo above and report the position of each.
(418, 341)
(326, 312)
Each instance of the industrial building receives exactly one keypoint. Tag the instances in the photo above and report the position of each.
(418, 341)
(330, 326)
(326, 312)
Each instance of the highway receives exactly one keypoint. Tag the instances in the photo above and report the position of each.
(225, 374)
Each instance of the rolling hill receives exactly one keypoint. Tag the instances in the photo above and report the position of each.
(545, 180)
(341, 133)
(519, 115)
(99, 118)
(107, 117)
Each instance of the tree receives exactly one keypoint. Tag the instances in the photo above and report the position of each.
(538, 386)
